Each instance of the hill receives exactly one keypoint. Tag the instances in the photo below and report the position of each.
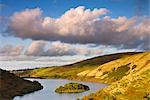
(130, 78)
(71, 71)
(11, 85)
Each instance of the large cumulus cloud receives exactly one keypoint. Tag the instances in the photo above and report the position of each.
(80, 25)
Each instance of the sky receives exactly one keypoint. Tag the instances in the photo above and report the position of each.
(72, 28)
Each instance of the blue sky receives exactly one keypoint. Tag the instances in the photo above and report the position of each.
(130, 12)
(56, 8)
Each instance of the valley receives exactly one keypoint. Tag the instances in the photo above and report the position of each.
(127, 73)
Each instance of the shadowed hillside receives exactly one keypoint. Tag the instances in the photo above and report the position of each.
(101, 59)
(11, 85)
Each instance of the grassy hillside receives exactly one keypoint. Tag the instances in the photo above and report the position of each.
(117, 69)
(130, 78)
(71, 71)
(11, 85)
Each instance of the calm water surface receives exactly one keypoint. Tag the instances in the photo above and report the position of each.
(48, 92)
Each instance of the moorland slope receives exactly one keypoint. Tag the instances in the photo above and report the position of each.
(129, 78)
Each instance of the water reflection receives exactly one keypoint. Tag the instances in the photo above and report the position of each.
(48, 92)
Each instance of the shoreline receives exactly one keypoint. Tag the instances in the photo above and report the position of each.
(51, 84)
(27, 93)
(92, 80)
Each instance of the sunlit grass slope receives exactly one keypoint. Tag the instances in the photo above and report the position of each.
(117, 69)
(130, 78)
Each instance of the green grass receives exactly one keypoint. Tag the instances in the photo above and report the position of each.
(118, 73)
(72, 88)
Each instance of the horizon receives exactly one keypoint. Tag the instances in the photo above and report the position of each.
(69, 30)
(52, 62)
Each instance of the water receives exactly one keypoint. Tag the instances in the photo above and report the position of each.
(48, 92)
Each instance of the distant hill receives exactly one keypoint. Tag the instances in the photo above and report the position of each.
(99, 60)
(11, 85)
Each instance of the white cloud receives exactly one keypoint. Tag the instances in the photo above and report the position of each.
(80, 25)
(59, 48)
(10, 50)
(38, 48)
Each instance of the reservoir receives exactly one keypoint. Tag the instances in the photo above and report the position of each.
(48, 92)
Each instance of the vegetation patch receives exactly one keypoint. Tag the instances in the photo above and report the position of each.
(72, 88)
(117, 74)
